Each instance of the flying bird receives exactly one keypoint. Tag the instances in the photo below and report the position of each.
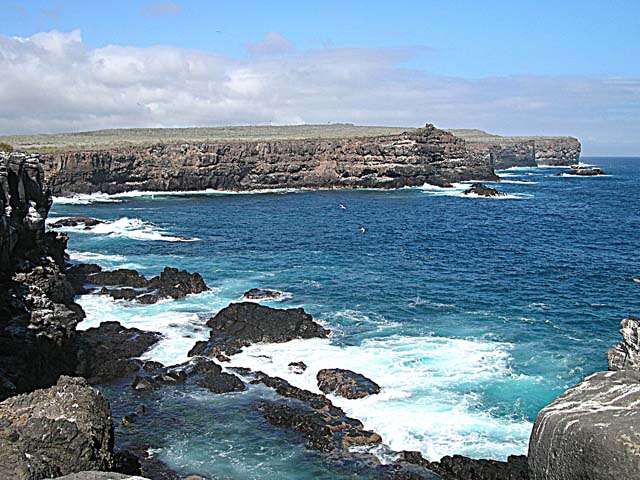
(343, 207)
(362, 229)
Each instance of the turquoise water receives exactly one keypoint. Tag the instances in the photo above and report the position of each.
(471, 313)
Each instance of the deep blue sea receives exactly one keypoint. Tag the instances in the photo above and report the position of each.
(471, 313)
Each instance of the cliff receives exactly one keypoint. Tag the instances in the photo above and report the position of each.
(425, 155)
(508, 152)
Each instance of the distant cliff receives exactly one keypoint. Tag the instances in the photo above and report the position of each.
(424, 155)
(508, 152)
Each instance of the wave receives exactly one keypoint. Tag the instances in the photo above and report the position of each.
(132, 228)
(425, 389)
(582, 176)
(85, 199)
(457, 190)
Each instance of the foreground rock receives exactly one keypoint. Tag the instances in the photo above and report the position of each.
(38, 314)
(128, 284)
(100, 476)
(346, 383)
(111, 351)
(242, 324)
(591, 432)
(626, 355)
(57, 431)
(482, 190)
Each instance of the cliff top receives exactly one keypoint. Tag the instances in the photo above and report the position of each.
(480, 136)
(124, 137)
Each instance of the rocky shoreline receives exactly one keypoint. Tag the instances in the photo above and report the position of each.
(53, 423)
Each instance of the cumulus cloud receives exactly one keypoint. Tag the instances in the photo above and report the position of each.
(52, 82)
(159, 9)
(272, 43)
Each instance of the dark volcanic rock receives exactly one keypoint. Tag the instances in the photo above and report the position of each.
(57, 431)
(75, 221)
(262, 294)
(241, 324)
(110, 351)
(483, 191)
(626, 354)
(592, 431)
(585, 170)
(177, 284)
(425, 155)
(122, 277)
(346, 383)
(100, 476)
(297, 367)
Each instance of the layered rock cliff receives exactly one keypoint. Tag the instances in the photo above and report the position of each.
(425, 155)
(506, 152)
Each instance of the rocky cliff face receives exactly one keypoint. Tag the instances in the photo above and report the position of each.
(426, 155)
(506, 152)
(37, 312)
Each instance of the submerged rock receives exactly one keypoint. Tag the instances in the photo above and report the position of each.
(55, 431)
(88, 222)
(346, 383)
(483, 191)
(242, 324)
(591, 432)
(262, 294)
(626, 354)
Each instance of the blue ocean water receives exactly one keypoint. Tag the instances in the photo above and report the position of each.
(471, 313)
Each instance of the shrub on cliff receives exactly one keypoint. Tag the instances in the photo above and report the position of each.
(5, 147)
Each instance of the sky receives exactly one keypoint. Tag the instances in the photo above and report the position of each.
(508, 67)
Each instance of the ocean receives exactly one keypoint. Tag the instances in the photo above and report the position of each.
(471, 313)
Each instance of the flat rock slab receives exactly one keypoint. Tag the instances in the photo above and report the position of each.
(346, 383)
(591, 432)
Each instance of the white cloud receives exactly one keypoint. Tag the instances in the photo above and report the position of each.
(158, 9)
(272, 43)
(54, 82)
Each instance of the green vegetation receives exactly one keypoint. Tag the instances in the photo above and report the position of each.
(148, 136)
(5, 147)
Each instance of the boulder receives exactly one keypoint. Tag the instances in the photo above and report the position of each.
(241, 324)
(297, 367)
(123, 277)
(262, 294)
(111, 351)
(177, 284)
(626, 355)
(483, 191)
(346, 383)
(56, 431)
(591, 432)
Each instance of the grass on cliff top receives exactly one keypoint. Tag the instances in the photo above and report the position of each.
(148, 136)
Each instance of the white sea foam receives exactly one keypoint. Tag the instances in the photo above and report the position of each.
(85, 199)
(582, 176)
(180, 330)
(422, 404)
(457, 190)
(95, 257)
(132, 228)
(518, 182)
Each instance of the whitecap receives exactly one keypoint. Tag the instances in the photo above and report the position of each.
(425, 403)
(132, 228)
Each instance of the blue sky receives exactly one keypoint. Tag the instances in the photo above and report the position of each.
(554, 61)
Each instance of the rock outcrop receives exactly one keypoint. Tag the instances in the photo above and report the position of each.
(591, 432)
(582, 170)
(57, 431)
(131, 285)
(481, 190)
(346, 383)
(37, 313)
(262, 294)
(626, 355)
(241, 324)
(425, 155)
(507, 152)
